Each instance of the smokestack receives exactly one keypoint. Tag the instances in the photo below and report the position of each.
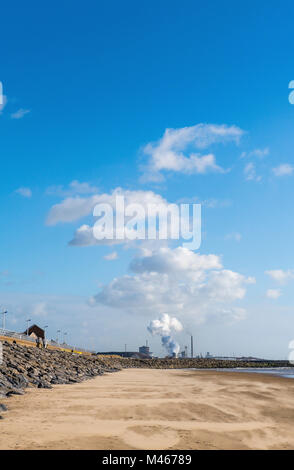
(192, 353)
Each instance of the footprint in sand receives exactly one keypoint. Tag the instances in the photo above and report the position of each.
(150, 437)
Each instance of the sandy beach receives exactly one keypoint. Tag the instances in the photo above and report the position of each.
(154, 409)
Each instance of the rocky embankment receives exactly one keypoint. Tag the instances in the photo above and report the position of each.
(24, 367)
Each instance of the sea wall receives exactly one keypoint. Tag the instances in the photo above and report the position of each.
(24, 367)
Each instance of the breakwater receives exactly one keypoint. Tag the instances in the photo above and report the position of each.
(196, 363)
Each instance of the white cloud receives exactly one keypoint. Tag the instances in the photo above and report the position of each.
(250, 173)
(285, 169)
(180, 260)
(236, 236)
(167, 154)
(84, 236)
(259, 153)
(179, 282)
(281, 276)
(25, 192)
(112, 256)
(143, 206)
(74, 188)
(20, 113)
(273, 293)
(71, 209)
(74, 208)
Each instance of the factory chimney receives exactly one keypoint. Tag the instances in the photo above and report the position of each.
(192, 353)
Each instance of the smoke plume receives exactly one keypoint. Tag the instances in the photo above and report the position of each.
(164, 327)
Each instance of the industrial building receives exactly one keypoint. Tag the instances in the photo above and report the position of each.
(145, 350)
(143, 353)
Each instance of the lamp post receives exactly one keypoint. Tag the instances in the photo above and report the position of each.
(44, 339)
(28, 321)
(44, 328)
(3, 319)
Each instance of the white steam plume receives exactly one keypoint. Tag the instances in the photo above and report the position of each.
(164, 326)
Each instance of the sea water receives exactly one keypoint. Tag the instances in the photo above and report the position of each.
(286, 372)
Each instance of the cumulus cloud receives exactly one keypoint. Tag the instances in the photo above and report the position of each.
(20, 113)
(84, 236)
(74, 208)
(25, 192)
(71, 209)
(250, 173)
(259, 153)
(179, 282)
(74, 188)
(285, 169)
(167, 154)
(281, 276)
(273, 293)
(179, 260)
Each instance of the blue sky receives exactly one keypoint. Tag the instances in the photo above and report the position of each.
(87, 88)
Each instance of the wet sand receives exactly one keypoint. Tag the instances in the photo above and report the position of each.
(155, 409)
